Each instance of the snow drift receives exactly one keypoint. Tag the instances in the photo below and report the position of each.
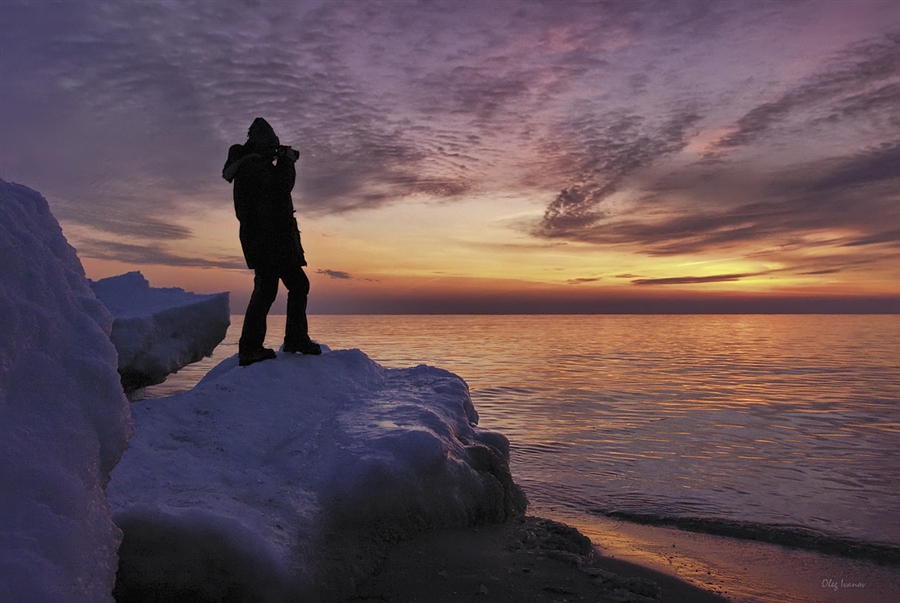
(157, 331)
(64, 420)
(280, 481)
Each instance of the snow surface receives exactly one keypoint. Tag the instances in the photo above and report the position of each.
(279, 481)
(64, 420)
(157, 331)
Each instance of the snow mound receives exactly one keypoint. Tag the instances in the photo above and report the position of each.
(64, 420)
(159, 331)
(280, 481)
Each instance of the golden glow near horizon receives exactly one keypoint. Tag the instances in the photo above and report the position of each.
(476, 245)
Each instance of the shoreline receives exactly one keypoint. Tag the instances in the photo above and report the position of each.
(532, 559)
(742, 570)
(523, 560)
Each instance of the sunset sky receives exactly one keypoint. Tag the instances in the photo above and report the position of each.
(493, 156)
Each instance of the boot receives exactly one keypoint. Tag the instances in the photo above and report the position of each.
(246, 358)
(307, 346)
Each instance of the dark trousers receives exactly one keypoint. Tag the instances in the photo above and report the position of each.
(265, 290)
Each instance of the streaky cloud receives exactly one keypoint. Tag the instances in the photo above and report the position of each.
(850, 196)
(820, 272)
(888, 236)
(693, 280)
(857, 81)
(152, 254)
(869, 166)
(336, 274)
(116, 222)
(605, 149)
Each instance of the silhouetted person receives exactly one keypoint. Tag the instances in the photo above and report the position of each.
(263, 175)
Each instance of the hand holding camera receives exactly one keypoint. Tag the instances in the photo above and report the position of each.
(284, 152)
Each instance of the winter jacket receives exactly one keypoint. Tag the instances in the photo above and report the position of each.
(262, 201)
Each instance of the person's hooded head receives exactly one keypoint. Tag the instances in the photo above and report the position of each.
(261, 136)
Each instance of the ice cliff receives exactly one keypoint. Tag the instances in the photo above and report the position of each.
(64, 420)
(281, 480)
(158, 331)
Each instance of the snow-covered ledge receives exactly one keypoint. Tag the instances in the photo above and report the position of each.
(282, 480)
(158, 331)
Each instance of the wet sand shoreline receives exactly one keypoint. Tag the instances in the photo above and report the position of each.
(743, 570)
(525, 560)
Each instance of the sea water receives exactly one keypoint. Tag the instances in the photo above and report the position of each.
(781, 429)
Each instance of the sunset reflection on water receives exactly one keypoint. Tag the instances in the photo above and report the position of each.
(787, 420)
(775, 419)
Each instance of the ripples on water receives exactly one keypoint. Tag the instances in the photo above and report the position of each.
(786, 421)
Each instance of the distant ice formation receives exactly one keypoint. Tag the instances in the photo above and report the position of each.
(280, 480)
(158, 331)
(64, 420)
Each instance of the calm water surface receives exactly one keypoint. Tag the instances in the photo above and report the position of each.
(789, 425)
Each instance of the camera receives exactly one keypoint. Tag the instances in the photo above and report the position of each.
(288, 152)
